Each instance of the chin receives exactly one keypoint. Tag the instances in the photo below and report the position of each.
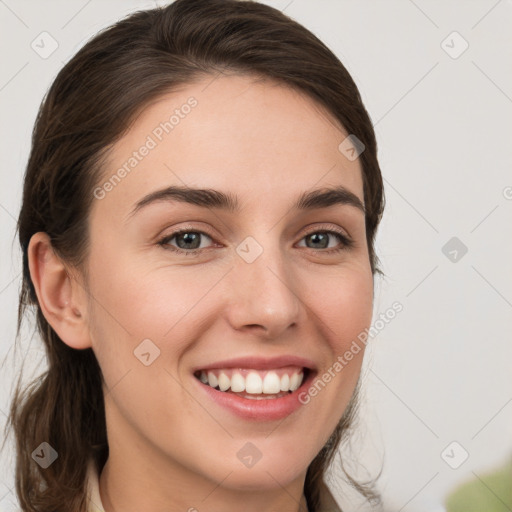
(269, 477)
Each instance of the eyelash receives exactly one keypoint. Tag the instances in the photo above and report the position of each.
(346, 242)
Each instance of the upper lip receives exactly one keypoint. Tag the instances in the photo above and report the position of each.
(259, 363)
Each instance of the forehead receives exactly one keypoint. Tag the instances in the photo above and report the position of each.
(262, 141)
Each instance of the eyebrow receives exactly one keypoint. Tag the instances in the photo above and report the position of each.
(210, 198)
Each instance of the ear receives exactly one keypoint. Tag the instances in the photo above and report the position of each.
(62, 298)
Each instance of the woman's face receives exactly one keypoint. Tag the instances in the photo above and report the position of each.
(262, 281)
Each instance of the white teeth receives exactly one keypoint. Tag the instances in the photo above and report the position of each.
(224, 381)
(271, 383)
(212, 380)
(237, 383)
(295, 382)
(285, 382)
(253, 384)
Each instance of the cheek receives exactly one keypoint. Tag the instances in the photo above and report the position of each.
(140, 326)
(343, 303)
(349, 316)
(140, 301)
(342, 309)
(134, 304)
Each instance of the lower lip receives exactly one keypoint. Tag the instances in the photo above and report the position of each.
(269, 409)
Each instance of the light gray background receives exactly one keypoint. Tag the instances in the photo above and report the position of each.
(440, 371)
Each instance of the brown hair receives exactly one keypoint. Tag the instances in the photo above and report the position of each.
(90, 105)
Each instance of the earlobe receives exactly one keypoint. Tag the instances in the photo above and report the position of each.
(60, 296)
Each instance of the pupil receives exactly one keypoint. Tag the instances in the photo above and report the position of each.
(316, 236)
(189, 239)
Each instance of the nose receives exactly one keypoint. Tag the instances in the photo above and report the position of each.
(263, 295)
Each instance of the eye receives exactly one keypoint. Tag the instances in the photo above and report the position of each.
(320, 240)
(188, 241)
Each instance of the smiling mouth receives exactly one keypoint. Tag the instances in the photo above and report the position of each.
(254, 384)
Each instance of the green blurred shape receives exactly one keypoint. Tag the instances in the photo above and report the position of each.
(491, 492)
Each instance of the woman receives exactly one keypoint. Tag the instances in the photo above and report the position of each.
(198, 220)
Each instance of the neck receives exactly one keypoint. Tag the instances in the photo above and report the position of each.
(120, 488)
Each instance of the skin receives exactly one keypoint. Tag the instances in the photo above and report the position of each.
(267, 144)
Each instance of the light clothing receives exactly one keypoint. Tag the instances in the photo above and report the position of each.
(328, 504)
(93, 489)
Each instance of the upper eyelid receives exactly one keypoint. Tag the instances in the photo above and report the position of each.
(314, 229)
